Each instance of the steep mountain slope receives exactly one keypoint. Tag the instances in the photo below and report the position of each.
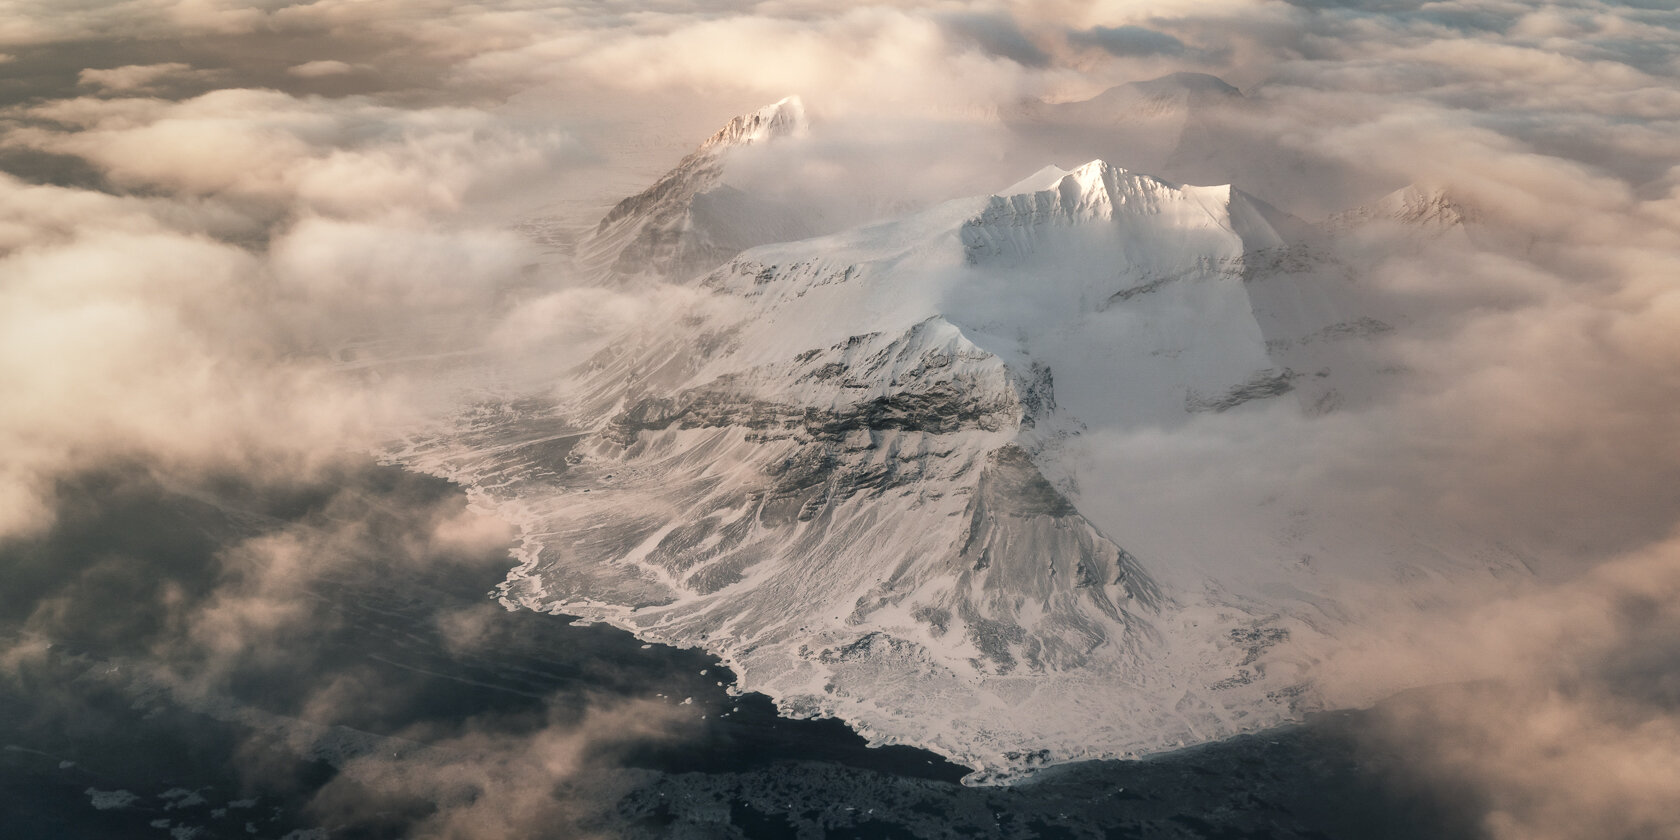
(866, 485)
(690, 219)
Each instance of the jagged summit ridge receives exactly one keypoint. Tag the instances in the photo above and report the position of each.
(690, 219)
(1101, 192)
(1097, 188)
(784, 118)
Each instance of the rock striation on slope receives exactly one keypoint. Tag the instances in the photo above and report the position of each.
(691, 219)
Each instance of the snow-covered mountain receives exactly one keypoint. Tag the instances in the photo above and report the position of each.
(691, 219)
(872, 478)
(1425, 210)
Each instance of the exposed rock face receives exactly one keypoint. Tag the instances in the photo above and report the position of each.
(690, 220)
(1265, 385)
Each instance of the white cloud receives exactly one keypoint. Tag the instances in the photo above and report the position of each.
(317, 69)
(135, 77)
(137, 340)
(194, 319)
(346, 157)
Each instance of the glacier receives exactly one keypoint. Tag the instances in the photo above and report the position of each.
(867, 479)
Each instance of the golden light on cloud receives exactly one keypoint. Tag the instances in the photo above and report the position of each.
(267, 239)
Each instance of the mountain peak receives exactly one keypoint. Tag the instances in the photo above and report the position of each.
(783, 118)
(1419, 205)
(1013, 223)
(1092, 169)
(1051, 177)
(689, 220)
(1427, 205)
(1172, 93)
(1185, 82)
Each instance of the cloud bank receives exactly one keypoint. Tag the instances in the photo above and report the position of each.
(213, 214)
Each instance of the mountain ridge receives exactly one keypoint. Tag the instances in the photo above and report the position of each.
(689, 219)
(865, 477)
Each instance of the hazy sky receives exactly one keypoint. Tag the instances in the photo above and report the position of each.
(206, 206)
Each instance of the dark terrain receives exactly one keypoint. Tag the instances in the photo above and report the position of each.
(122, 715)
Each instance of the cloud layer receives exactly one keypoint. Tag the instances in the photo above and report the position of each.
(212, 214)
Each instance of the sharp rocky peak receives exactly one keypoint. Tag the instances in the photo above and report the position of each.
(1100, 174)
(662, 230)
(1099, 191)
(1098, 185)
(785, 118)
(702, 169)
